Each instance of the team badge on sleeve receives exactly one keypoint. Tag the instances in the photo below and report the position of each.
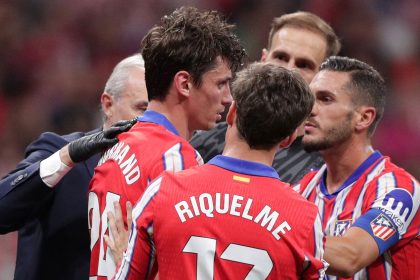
(397, 205)
(382, 227)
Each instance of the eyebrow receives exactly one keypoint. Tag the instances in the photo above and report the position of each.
(298, 59)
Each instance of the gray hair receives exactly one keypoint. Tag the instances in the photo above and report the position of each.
(117, 81)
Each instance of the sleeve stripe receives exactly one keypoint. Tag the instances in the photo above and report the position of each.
(151, 191)
(173, 159)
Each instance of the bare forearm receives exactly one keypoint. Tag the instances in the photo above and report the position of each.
(350, 253)
(341, 256)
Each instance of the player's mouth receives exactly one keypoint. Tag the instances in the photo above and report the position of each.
(310, 125)
(219, 114)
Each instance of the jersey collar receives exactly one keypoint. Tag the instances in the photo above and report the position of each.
(353, 177)
(157, 118)
(244, 166)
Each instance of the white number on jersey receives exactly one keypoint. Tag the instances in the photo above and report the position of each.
(106, 265)
(205, 248)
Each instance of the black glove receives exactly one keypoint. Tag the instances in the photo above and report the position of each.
(85, 147)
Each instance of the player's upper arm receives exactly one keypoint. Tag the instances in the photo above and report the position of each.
(350, 253)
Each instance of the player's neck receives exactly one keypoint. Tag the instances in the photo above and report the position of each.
(175, 114)
(342, 161)
(238, 148)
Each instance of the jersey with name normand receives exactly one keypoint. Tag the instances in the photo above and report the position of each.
(151, 146)
(229, 219)
(381, 198)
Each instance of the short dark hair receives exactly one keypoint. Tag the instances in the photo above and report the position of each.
(366, 85)
(310, 22)
(187, 40)
(271, 103)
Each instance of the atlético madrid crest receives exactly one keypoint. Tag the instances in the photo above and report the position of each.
(341, 226)
(382, 227)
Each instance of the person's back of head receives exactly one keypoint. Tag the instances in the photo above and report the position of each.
(366, 85)
(311, 22)
(191, 41)
(271, 102)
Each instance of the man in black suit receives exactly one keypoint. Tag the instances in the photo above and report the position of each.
(45, 197)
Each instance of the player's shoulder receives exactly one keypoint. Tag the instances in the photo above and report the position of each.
(307, 179)
(390, 171)
(389, 177)
(289, 193)
(150, 133)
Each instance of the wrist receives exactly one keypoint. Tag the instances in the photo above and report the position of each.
(65, 156)
(52, 170)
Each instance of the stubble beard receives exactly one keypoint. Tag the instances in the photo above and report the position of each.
(332, 137)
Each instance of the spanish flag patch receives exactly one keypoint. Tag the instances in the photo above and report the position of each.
(241, 179)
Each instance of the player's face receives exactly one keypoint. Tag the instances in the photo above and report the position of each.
(132, 102)
(208, 102)
(297, 48)
(331, 121)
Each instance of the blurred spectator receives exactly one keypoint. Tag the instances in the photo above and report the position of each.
(55, 55)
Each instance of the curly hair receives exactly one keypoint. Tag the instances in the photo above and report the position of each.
(187, 40)
(271, 103)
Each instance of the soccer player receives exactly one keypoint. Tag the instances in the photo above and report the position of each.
(368, 205)
(45, 197)
(189, 60)
(299, 41)
(232, 218)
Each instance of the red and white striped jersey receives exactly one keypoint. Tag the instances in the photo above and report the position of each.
(151, 146)
(381, 198)
(228, 219)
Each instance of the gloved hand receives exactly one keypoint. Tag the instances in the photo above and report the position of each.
(85, 147)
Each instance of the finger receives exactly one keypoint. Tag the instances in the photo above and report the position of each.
(109, 242)
(115, 130)
(121, 123)
(112, 131)
(118, 216)
(112, 226)
(129, 208)
(107, 143)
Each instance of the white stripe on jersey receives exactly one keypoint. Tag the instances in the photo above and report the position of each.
(199, 158)
(172, 158)
(386, 183)
(372, 174)
(388, 264)
(314, 181)
(338, 208)
(148, 195)
(319, 235)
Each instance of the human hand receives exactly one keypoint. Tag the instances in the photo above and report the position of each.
(85, 147)
(120, 234)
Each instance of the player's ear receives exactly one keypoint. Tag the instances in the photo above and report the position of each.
(183, 83)
(230, 117)
(286, 142)
(364, 117)
(264, 54)
(107, 102)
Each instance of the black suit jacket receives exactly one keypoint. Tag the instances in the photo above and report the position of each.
(53, 241)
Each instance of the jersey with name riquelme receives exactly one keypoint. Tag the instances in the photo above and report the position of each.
(381, 198)
(150, 147)
(228, 219)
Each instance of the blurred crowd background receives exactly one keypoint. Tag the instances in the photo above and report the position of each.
(55, 56)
